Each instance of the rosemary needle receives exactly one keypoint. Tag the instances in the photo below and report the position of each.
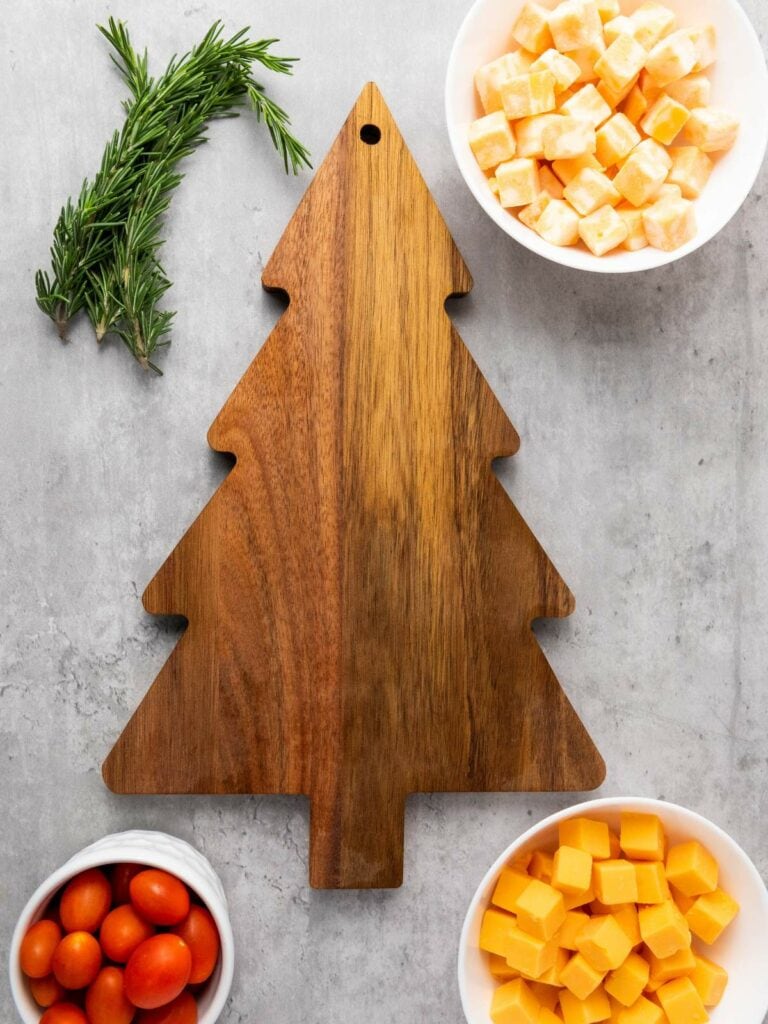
(104, 256)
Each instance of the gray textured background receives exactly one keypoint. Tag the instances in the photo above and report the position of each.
(642, 404)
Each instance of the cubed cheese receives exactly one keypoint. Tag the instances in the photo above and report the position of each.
(620, 26)
(665, 120)
(615, 880)
(608, 10)
(709, 979)
(652, 22)
(705, 41)
(528, 954)
(690, 170)
(669, 224)
(580, 977)
(495, 930)
(712, 129)
(641, 836)
(531, 29)
(511, 883)
(587, 192)
(595, 1007)
(586, 57)
(663, 927)
(572, 869)
(587, 105)
(602, 941)
(679, 965)
(615, 140)
(711, 914)
(627, 982)
(529, 134)
(621, 63)
(682, 1003)
(691, 868)
(518, 182)
(489, 76)
(575, 23)
(642, 1012)
(586, 834)
(564, 70)
(692, 91)
(640, 177)
(526, 95)
(636, 237)
(540, 909)
(564, 139)
(492, 140)
(652, 886)
(671, 59)
(635, 105)
(574, 919)
(514, 1003)
(550, 183)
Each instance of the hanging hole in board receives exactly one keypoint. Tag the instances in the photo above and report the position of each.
(370, 134)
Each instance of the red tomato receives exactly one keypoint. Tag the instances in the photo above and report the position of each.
(121, 881)
(122, 931)
(183, 1010)
(64, 1013)
(77, 960)
(158, 971)
(46, 991)
(38, 947)
(199, 931)
(159, 897)
(85, 901)
(106, 1001)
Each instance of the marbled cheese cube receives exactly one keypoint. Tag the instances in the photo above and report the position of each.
(530, 214)
(588, 191)
(621, 63)
(495, 929)
(712, 129)
(652, 22)
(635, 105)
(489, 76)
(575, 23)
(669, 224)
(566, 138)
(518, 182)
(705, 41)
(640, 177)
(564, 70)
(672, 59)
(492, 140)
(493, 185)
(526, 95)
(586, 57)
(529, 132)
(608, 10)
(531, 29)
(614, 99)
(692, 91)
(550, 183)
(665, 120)
(621, 26)
(690, 170)
(587, 105)
(566, 170)
(651, 148)
(651, 90)
(615, 140)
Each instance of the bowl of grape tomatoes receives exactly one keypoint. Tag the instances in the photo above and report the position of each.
(132, 930)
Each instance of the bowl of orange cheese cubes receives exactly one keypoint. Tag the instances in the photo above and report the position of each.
(608, 135)
(630, 911)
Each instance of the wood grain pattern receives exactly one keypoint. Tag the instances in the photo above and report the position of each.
(360, 589)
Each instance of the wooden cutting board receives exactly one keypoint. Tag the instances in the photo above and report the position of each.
(360, 589)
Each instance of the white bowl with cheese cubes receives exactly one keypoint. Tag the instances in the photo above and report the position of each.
(608, 135)
(628, 910)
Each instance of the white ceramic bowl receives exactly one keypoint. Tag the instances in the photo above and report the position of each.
(156, 850)
(739, 82)
(741, 950)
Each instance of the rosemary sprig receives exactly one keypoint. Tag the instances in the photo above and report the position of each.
(104, 256)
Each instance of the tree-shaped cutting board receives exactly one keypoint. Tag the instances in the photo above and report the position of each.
(360, 590)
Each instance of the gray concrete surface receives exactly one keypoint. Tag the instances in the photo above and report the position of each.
(642, 405)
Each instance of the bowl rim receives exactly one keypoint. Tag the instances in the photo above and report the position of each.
(574, 257)
(94, 856)
(608, 803)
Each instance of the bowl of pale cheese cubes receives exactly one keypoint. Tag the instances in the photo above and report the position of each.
(608, 135)
(625, 910)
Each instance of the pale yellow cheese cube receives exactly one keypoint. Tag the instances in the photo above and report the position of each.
(670, 224)
(635, 105)
(620, 26)
(567, 137)
(651, 148)
(652, 22)
(530, 214)
(559, 225)
(563, 98)
(587, 105)
(608, 10)
(665, 120)
(489, 77)
(492, 140)
(640, 177)
(590, 190)
(692, 91)
(575, 23)
(518, 182)
(615, 140)
(712, 129)
(690, 170)
(566, 170)
(550, 183)
(529, 133)
(705, 41)
(672, 59)
(531, 29)
(526, 95)
(621, 63)
(586, 57)
(564, 70)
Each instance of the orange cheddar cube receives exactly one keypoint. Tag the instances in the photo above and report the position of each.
(526, 95)
(564, 70)
(570, 928)
(540, 909)
(615, 880)
(679, 965)
(491, 140)
(652, 22)
(572, 869)
(692, 91)
(546, 994)
(628, 919)
(528, 954)
(615, 140)
(690, 170)
(518, 182)
(580, 977)
(604, 943)
(627, 982)
(621, 63)
(531, 29)
(514, 1003)
(664, 929)
(671, 59)
(682, 1003)
(641, 1012)
(584, 833)
(665, 120)
(573, 901)
(529, 136)
(635, 105)
(709, 979)
(500, 969)
(691, 869)
(541, 866)
(551, 977)
(550, 183)
(575, 23)
(711, 914)
(509, 886)
(614, 99)
(547, 1015)
(595, 1007)
(495, 931)
(652, 885)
